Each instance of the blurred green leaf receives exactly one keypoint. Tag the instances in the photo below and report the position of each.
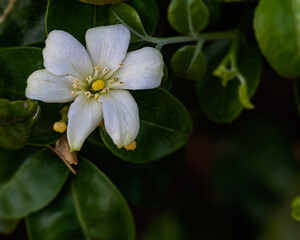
(188, 62)
(165, 126)
(22, 22)
(296, 208)
(8, 226)
(29, 180)
(16, 64)
(16, 121)
(79, 19)
(219, 103)
(277, 30)
(42, 132)
(102, 2)
(188, 16)
(91, 209)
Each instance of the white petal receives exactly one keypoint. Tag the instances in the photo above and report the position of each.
(107, 46)
(64, 55)
(121, 116)
(47, 87)
(84, 116)
(142, 69)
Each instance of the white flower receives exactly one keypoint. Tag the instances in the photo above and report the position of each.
(95, 78)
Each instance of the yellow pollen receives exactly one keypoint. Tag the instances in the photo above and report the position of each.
(96, 67)
(131, 146)
(60, 127)
(73, 93)
(98, 85)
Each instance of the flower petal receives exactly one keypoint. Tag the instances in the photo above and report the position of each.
(47, 87)
(142, 69)
(85, 114)
(121, 116)
(64, 55)
(107, 46)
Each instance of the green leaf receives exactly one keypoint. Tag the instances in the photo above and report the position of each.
(188, 16)
(79, 19)
(164, 127)
(42, 133)
(102, 2)
(16, 121)
(277, 30)
(8, 226)
(16, 64)
(29, 180)
(148, 11)
(222, 104)
(128, 16)
(91, 209)
(22, 22)
(188, 62)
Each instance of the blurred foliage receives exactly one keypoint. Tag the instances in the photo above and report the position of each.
(231, 181)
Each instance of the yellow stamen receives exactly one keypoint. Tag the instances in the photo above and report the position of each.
(98, 85)
(131, 146)
(60, 127)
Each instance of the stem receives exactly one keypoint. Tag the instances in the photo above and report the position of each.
(182, 39)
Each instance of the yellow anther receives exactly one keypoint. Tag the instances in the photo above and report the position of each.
(96, 67)
(75, 85)
(120, 64)
(116, 79)
(131, 146)
(97, 96)
(60, 127)
(76, 80)
(98, 85)
(73, 93)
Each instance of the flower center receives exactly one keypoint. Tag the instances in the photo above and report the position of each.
(99, 84)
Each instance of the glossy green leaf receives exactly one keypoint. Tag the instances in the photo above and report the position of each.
(8, 226)
(42, 133)
(21, 22)
(277, 30)
(164, 127)
(102, 2)
(16, 64)
(16, 121)
(91, 209)
(77, 17)
(219, 103)
(188, 16)
(188, 62)
(148, 11)
(29, 180)
(141, 17)
(128, 16)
